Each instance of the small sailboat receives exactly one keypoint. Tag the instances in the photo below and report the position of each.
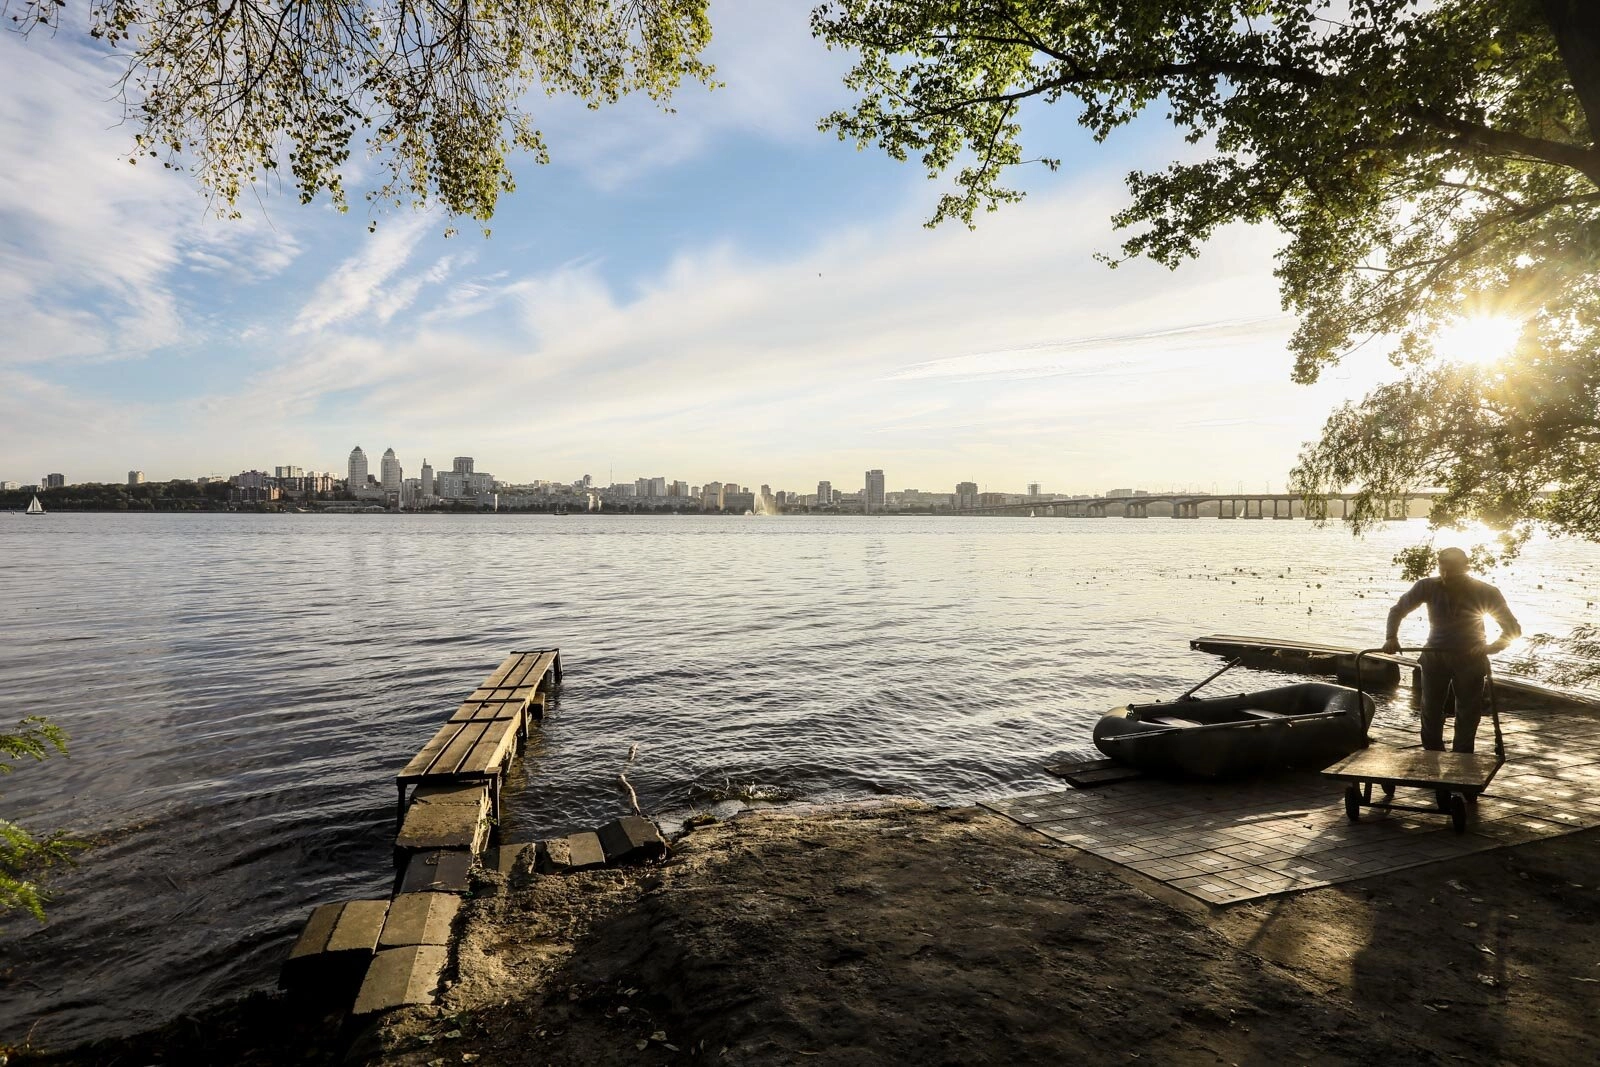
(35, 508)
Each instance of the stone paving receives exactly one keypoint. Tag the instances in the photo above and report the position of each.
(1226, 842)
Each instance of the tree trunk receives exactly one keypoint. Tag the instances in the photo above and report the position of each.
(1576, 26)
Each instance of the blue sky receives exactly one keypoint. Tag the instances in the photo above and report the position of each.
(720, 293)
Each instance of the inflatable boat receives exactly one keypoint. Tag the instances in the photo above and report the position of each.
(1307, 725)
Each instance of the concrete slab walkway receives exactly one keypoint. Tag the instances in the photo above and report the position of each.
(1226, 842)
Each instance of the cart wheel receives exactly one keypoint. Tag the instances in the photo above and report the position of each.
(1388, 789)
(1352, 803)
(1458, 812)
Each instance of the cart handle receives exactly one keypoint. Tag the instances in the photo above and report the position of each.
(1488, 677)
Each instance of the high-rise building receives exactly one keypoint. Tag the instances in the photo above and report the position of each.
(288, 471)
(824, 494)
(966, 494)
(1033, 489)
(425, 483)
(872, 497)
(358, 470)
(136, 477)
(711, 496)
(54, 481)
(463, 465)
(679, 489)
(390, 468)
(641, 487)
(658, 487)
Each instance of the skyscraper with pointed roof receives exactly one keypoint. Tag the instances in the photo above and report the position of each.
(358, 469)
(390, 472)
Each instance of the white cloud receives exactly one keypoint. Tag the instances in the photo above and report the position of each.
(777, 80)
(938, 352)
(354, 286)
(88, 244)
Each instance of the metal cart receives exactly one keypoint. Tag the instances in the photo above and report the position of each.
(1457, 778)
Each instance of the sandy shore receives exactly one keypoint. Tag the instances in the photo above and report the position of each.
(906, 934)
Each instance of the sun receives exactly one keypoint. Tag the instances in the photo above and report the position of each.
(1479, 339)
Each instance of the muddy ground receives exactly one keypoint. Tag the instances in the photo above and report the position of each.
(905, 934)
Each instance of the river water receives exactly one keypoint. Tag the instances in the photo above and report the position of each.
(240, 689)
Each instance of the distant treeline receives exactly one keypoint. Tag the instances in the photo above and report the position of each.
(176, 495)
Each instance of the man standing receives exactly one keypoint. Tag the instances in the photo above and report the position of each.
(1456, 656)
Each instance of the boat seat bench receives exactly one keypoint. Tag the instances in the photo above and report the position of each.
(486, 731)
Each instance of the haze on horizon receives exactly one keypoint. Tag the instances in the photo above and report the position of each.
(721, 293)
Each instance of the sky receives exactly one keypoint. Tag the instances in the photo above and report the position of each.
(719, 293)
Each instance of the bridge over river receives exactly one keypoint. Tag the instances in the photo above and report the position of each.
(1188, 506)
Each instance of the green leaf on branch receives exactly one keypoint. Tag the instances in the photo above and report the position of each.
(434, 93)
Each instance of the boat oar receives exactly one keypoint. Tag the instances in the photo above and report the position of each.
(1226, 667)
(1212, 727)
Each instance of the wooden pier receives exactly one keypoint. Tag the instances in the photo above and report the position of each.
(371, 956)
(477, 743)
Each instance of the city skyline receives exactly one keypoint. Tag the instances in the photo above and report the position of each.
(357, 472)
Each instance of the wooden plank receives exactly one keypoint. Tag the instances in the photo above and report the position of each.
(460, 748)
(487, 709)
(423, 762)
(524, 674)
(1415, 767)
(507, 665)
(1086, 773)
(492, 751)
(532, 672)
(521, 692)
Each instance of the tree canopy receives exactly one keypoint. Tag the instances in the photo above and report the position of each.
(1429, 164)
(237, 90)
